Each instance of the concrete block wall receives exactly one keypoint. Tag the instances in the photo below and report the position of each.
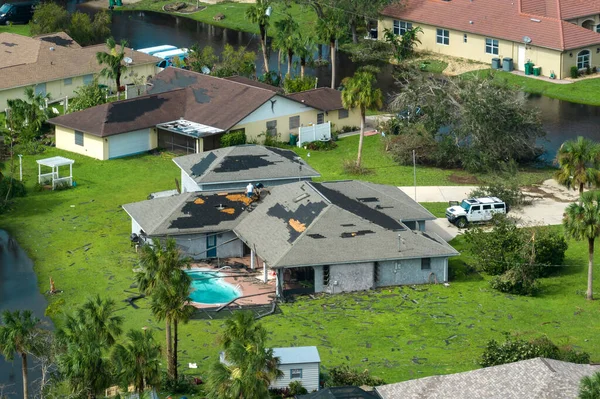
(350, 277)
(408, 271)
(194, 245)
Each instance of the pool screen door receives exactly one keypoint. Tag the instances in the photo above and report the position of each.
(211, 246)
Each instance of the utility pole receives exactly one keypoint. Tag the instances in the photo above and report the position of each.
(415, 173)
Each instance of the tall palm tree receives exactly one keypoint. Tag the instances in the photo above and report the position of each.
(16, 333)
(257, 14)
(329, 29)
(582, 222)
(305, 49)
(589, 387)
(98, 315)
(137, 361)
(286, 40)
(113, 61)
(162, 269)
(579, 163)
(360, 93)
(249, 366)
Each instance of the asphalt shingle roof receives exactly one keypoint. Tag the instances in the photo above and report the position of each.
(537, 378)
(323, 98)
(244, 163)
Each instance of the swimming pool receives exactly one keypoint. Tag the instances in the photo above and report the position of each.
(209, 288)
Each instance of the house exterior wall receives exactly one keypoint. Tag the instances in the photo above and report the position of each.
(474, 49)
(188, 185)
(349, 277)
(310, 376)
(194, 245)
(60, 88)
(579, 21)
(93, 146)
(408, 271)
(568, 61)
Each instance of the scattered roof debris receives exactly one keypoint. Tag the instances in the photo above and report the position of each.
(296, 225)
(359, 209)
(316, 236)
(301, 197)
(347, 224)
(229, 211)
(236, 163)
(198, 201)
(199, 168)
(239, 198)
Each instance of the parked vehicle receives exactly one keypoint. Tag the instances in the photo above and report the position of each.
(170, 55)
(16, 13)
(409, 113)
(475, 210)
(156, 49)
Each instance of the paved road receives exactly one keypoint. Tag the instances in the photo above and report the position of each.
(542, 211)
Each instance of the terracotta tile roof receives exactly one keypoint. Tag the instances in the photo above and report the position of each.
(502, 19)
(578, 8)
(27, 61)
(323, 98)
(175, 94)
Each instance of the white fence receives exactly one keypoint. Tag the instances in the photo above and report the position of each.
(320, 132)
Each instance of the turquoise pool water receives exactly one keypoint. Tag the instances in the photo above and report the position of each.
(209, 288)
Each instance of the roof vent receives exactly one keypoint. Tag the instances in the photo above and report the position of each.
(535, 20)
(51, 48)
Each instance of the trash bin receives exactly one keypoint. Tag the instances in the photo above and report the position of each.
(496, 63)
(529, 68)
(537, 71)
(119, 3)
(293, 139)
(507, 64)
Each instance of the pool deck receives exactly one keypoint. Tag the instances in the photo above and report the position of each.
(240, 276)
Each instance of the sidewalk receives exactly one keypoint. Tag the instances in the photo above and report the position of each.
(438, 193)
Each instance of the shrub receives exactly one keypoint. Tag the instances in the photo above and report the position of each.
(16, 187)
(588, 70)
(513, 350)
(297, 84)
(348, 129)
(350, 168)
(344, 375)
(320, 145)
(574, 72)
(518, 280)
(509, 192)
(550, 248)
(416, 138)
(235, 137)
(296, 388)
(32, 147)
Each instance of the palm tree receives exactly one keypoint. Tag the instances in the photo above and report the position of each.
(578, 161)
(137, 361)
(329, 29)
(305, 49)
(29, 115)
(16, 333)
(98, 315)
(162, 267)
(582, 222)
(249, 366)
(360, 93)
(113, 60)
(257, 14)
(286, 40)
(589, 387)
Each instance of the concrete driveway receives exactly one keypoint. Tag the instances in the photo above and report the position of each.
(548, 203)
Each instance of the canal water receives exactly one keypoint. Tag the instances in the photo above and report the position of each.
(18, 291)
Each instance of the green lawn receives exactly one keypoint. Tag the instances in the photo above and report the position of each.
(437, 208)
(80, 237)
(19, 29)
(386, 171)
(235, 17)
(582, 91)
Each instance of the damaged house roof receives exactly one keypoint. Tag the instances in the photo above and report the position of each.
(244, 163)
(189, 213)
(304, 224)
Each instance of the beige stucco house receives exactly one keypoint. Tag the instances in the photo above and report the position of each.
(55, 64)
(553, 34)
(188, 112)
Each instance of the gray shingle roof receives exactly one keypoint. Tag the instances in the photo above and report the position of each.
(189, 213)
(252, 163)
(298, 226)
(537, 378)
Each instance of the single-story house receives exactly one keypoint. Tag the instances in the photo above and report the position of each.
(234, 167)
(188, 112)
(526, 379)
(298, 363)
(553, 34)
(347, 392)
(310, 237)
(57, 65)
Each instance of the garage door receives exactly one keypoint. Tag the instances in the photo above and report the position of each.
(130, 143)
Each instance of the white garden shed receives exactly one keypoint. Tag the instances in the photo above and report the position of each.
(54, 164)
(299, 363)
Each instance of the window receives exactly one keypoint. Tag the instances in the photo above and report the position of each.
(294, 122)
(597, 28)
(320, 118)
(68, 81)
(425, 263)
(272, 128)
(443, 37)
(465, 38)
(498, 206)
(475, 208)
(583, 59)
(295, 373)
(487, 207)
(88, 79)
(326, 275)
(491, 46)
(78, 137)
(400, 27)
(342, 113)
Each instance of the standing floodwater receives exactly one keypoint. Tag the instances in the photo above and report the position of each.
(18, 291)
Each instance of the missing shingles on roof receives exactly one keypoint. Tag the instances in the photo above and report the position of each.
(359, 209)
(179, 81)
(203, 165)
(288, 154)
(201, 96)
(347, 224)
(239, 198)
(128, 111)
(356, 233)
(214, 210)
(368, 199)
(305, 214)
(316, 236)
(236, 163)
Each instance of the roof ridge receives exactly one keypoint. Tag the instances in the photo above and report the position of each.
(547, 364)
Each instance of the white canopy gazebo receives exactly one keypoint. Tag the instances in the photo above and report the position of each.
(54, 163)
